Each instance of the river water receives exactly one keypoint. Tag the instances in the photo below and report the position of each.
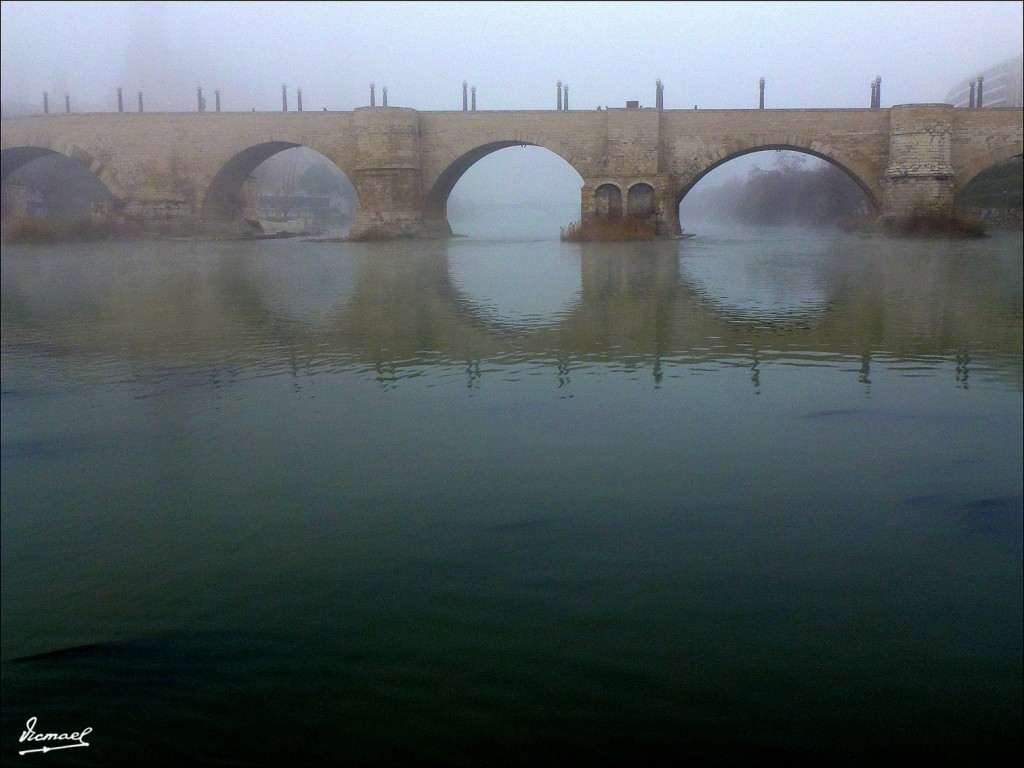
(501, 500)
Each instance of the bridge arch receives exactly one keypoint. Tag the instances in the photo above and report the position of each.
(435, 207)
(224, 198)
(855, 169)
(982, 163)
(436, 204)
(67, 184)
(13, 158)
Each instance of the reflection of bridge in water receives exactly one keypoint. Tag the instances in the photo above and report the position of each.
(399, 308)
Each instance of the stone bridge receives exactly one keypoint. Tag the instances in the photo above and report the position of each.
(192, 167)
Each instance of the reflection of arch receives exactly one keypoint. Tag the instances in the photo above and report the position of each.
(13, 158)
(991, 158)
(857, 170)
(500, 296)
(608, 202)
(640, 201)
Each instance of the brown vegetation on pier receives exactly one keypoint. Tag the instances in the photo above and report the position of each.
(606, 230)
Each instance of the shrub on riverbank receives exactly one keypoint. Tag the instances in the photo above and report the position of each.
(38, 230)
(924, 223)
(603, 230)
(379, 235)
(918, 224)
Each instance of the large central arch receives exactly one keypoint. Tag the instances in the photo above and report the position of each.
(436, 204)
(435, 208)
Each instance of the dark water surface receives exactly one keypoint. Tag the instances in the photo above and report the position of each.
(746, 497)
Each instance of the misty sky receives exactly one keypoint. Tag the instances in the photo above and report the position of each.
(709, 54)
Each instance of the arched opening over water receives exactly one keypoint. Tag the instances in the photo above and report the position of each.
(40, 183)
(995, 193)
(775, 186)
(284, 187)
(507, 190)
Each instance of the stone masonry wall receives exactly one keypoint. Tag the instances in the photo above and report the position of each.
(162, 164)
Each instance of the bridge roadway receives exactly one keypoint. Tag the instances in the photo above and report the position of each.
(191, 168)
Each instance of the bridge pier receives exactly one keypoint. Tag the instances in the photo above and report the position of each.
(649, 197)
(388, 175)
(389, 203)
(920, 175)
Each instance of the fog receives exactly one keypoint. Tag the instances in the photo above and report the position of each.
(707, 54)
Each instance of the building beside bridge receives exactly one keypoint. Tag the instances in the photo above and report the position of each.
(1002, 86)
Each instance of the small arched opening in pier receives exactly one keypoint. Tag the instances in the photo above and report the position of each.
(640, 201)
(776, 185)
(505, 189)
(52, 194)
(608, 202)
(282, 188)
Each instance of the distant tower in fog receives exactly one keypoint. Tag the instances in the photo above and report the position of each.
(149, 61)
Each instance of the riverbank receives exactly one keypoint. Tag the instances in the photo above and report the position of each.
(918, 224)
